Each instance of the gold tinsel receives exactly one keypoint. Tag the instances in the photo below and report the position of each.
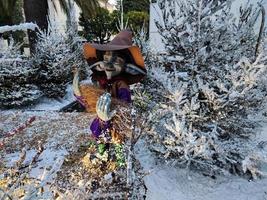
(95, 167)
(120, 122)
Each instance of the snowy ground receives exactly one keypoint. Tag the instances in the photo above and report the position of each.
(169, 183)
(61, 133)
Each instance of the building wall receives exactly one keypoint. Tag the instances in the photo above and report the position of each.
(155, 39)
(155, 15)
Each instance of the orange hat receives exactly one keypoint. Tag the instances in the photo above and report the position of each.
(122, 41)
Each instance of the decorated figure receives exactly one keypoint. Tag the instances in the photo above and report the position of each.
(115, 66)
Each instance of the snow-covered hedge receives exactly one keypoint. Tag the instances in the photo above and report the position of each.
(209, 94)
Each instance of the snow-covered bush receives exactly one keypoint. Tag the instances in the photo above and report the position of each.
(16, 78)
(56, 54)
(214, 83)
(25, 79)
(141, 40)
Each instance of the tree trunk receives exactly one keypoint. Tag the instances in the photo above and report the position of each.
(36, 11)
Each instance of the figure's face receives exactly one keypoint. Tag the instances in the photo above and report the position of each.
(113, 65)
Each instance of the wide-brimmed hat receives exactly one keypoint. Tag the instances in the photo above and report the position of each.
(135, 68)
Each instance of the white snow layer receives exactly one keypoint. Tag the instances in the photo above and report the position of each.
(55, 104)
(47, 159)
(20, 27)
(165, 182)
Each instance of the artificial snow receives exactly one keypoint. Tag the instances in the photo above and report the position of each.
(167, 182)
(163, 181)
(50, 104)
(47, 158)
(20, 27)
(64, 134)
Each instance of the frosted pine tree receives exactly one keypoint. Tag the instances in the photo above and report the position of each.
(24, 80)
(141, 40)
(17, 86)
(56, 54)
(215, 81)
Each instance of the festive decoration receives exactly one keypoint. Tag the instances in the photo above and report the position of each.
(115, 66)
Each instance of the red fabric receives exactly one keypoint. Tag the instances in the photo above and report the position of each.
(104, 82)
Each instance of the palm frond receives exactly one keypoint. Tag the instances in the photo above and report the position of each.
(64, 5)
(88, 7)
(7, 7)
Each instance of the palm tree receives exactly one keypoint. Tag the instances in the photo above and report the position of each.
(11, 13)
(37, 11)
(6, 11)
(105, 2)
(88, 7)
